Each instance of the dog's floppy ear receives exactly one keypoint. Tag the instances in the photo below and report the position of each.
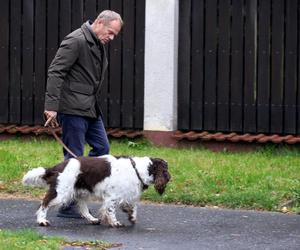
(161, 175)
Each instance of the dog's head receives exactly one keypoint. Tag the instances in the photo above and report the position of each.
(159, 170)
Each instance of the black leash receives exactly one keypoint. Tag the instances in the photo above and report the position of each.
(144, 186)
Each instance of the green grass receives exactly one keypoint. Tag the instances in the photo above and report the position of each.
(261, 179)
(27, 239)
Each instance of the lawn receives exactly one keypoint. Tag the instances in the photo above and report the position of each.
(29, 239)
(262, 179)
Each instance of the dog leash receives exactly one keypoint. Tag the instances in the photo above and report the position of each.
(61, 142)
(47, 124)
(144, 186)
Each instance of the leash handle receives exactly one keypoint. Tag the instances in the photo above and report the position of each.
(50, 118)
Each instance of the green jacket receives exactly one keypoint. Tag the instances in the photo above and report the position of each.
(76, 74)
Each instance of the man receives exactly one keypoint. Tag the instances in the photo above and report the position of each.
(74, 80)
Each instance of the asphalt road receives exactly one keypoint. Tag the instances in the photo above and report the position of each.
(166, 227)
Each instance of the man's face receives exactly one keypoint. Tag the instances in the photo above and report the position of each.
(106, 32)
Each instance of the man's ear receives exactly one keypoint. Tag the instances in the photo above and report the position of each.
(101, 21)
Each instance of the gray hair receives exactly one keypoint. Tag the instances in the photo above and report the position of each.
(109, 15)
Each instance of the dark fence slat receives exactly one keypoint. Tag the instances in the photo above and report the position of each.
(77, 14)
(65, 18)
(139, 64)
(197, 64)
(15, 63)
(4, 62)
(102, 5)
(105, 99)
(210, 68)
(263, 68)
(40, 61)
(277, 66)
(52, 29)
(27, 63)
(115, 71)
(250, 66)
(90, 10)
(290, 88)
(223, 94)
(184, 57)
(237, 66)
(128, 64)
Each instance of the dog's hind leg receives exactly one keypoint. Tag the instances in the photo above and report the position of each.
(84, 211)
(108, 214)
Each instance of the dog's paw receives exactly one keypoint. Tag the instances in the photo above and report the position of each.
(117, 224)
(95, 222)
(132, 219)
(44, 223)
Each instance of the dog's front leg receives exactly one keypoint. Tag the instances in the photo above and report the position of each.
(132, 215)
(108, 214)
(84, 211)
(41, 216)
(131, 210)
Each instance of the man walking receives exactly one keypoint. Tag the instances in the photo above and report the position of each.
(74, 81)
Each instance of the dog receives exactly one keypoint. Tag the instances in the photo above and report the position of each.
(117, 182)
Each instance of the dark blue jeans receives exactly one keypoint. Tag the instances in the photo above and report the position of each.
(78, 130)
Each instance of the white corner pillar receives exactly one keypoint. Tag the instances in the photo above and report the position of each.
(161, 49)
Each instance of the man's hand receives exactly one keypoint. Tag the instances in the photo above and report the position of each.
(51, 119)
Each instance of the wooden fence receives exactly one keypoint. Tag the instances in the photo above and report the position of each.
(239, 66)
(31, 31)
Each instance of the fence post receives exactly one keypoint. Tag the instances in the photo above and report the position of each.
(161, 45)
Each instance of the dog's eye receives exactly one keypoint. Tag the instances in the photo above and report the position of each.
(166, 175)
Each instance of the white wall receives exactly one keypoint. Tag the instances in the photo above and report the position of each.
(161, 45)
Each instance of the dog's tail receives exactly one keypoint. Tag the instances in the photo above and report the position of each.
(35, 178)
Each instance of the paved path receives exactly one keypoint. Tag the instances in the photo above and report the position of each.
(167, 227)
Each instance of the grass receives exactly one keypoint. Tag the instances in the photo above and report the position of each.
(29, 239)
(263, 179)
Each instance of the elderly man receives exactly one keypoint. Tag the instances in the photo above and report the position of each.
(74, 81)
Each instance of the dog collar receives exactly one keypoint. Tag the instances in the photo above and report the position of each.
(144, 186)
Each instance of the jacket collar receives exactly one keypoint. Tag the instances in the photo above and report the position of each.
(92, 40)
(89, 34)
(94, 48)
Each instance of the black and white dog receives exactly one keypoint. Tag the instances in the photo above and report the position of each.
(116, 181)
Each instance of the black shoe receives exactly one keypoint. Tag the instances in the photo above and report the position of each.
(70, 211)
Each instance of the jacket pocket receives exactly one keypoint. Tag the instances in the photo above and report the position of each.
(81, 88)
(81, 96)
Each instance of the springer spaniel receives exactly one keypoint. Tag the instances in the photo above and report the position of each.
(116, 181)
